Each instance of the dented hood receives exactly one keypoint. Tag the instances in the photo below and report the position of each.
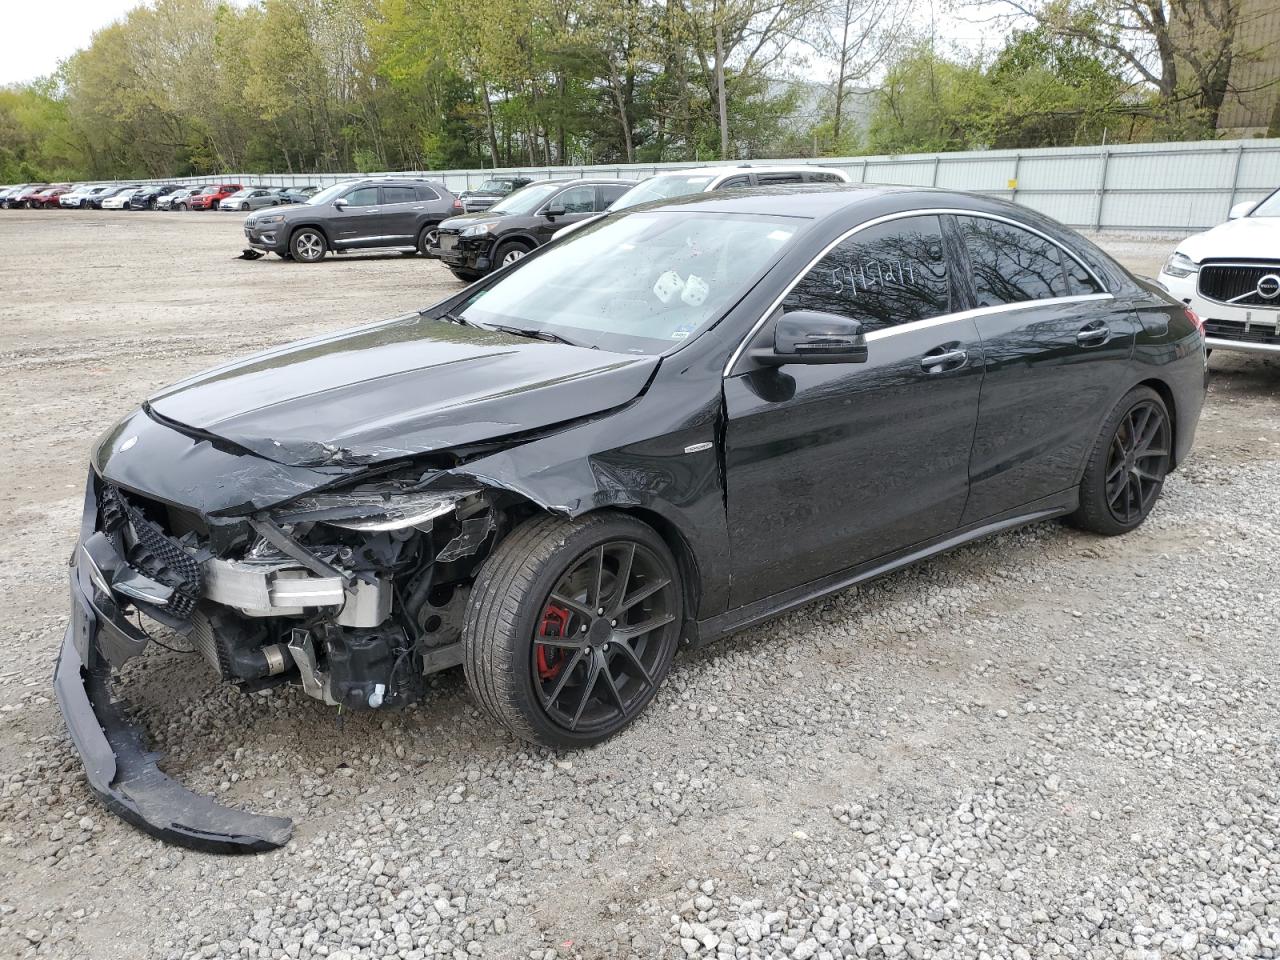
(401, 388)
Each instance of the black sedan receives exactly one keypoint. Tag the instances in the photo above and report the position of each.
(146, 197)
(676, 422)
(475, 244)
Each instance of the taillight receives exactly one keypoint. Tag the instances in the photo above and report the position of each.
(1195, 320)
(457, 204)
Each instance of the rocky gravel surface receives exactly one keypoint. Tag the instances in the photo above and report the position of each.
(1046, 744)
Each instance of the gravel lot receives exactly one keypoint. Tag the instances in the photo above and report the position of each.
(1046, 744)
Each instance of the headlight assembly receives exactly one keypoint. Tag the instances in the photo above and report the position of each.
(478, 230)
(268, 220)
(371, 511)
(1180, 265)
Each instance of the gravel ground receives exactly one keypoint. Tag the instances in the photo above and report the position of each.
(1046, 744)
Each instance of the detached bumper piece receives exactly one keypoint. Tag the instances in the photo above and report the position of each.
(119, 767)
(124, 774)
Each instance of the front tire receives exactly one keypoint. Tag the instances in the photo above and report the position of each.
(244, 208)
(571, 626)
(308, 245)
(466, 276)
(1127, 466)
(428, 237)
(508, 253)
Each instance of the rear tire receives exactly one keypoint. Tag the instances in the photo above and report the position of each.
(571, 627)
(1127, 466)
(308, 245)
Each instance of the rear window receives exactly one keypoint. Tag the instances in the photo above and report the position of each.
(1011, 265)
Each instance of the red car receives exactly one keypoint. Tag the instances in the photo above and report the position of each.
(23, 197)
(48, 198)
(211, 196)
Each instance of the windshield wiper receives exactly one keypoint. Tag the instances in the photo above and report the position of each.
(454, 318)
(546, 335)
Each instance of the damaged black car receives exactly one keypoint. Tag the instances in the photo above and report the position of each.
(676, 422)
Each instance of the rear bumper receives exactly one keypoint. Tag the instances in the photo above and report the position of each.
(119, 767)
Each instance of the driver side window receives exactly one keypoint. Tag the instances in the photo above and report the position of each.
(577, 200)
(882, 276)
(362, 197)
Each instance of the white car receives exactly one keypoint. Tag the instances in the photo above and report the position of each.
(680, 183)
(1230, 276)
(81, 196)
(119, 200)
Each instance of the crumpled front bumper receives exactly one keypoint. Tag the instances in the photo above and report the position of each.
(120, 769)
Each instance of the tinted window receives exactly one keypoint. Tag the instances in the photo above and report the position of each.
(1009, 264)
(399, 195)
(1081, 280)
(362, 197)
(732, 182)
(426, 193)
(826, 178)
(885, 275)
(578, 200)
(610, 192)
(773, 178)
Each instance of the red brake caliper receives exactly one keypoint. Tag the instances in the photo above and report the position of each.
(555, 623)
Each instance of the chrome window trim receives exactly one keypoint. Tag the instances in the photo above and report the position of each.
(943, 318)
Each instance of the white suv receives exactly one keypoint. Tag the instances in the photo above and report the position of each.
(1230, 276)
(681, 183)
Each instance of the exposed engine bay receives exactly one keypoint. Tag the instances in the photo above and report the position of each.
(355, 594)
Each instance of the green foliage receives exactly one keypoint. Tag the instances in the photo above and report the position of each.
(189, 87)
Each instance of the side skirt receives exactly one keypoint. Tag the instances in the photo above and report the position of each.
(715, 628)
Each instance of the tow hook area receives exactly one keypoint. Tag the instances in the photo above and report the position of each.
(124, 774)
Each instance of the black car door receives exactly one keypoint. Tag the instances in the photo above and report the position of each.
(831, 465)
(1056, 346)
(577, 203)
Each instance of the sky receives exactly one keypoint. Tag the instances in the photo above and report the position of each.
(39, 33)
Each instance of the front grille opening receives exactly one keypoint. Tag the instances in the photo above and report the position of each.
(1237, 283)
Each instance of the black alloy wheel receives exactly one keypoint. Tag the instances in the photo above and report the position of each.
(602, 635)
(428, 237)
(1137, 461)
(572, 626)
(1128, 465)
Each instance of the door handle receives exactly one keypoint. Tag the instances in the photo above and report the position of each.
(940, 362)
(1094, 334)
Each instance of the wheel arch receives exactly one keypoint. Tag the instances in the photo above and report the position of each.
(1170, 404)
(520, 237)
(295, 227)
(677, 542)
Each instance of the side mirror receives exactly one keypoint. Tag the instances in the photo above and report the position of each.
(340, 204)
(1242, 209)
(552, 212)
(808, 336)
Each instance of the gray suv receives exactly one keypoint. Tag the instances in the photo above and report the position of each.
(353, 215)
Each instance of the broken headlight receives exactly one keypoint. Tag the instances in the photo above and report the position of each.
(372, 510)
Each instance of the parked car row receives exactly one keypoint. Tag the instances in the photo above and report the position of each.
(150, 196)
(478, 231)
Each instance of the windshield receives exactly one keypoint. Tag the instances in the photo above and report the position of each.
(637, 284)
(662, 187)
(331, 193)
(527, 199)
(241, 193)
(1269, 207)
(494, 186)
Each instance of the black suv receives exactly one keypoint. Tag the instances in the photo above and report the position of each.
(145, 198)
(490, 192)
(474, 244)
(353, 215)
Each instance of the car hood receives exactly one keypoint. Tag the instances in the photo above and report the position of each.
(400, 388)
(470, 219)
(1248, 238)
